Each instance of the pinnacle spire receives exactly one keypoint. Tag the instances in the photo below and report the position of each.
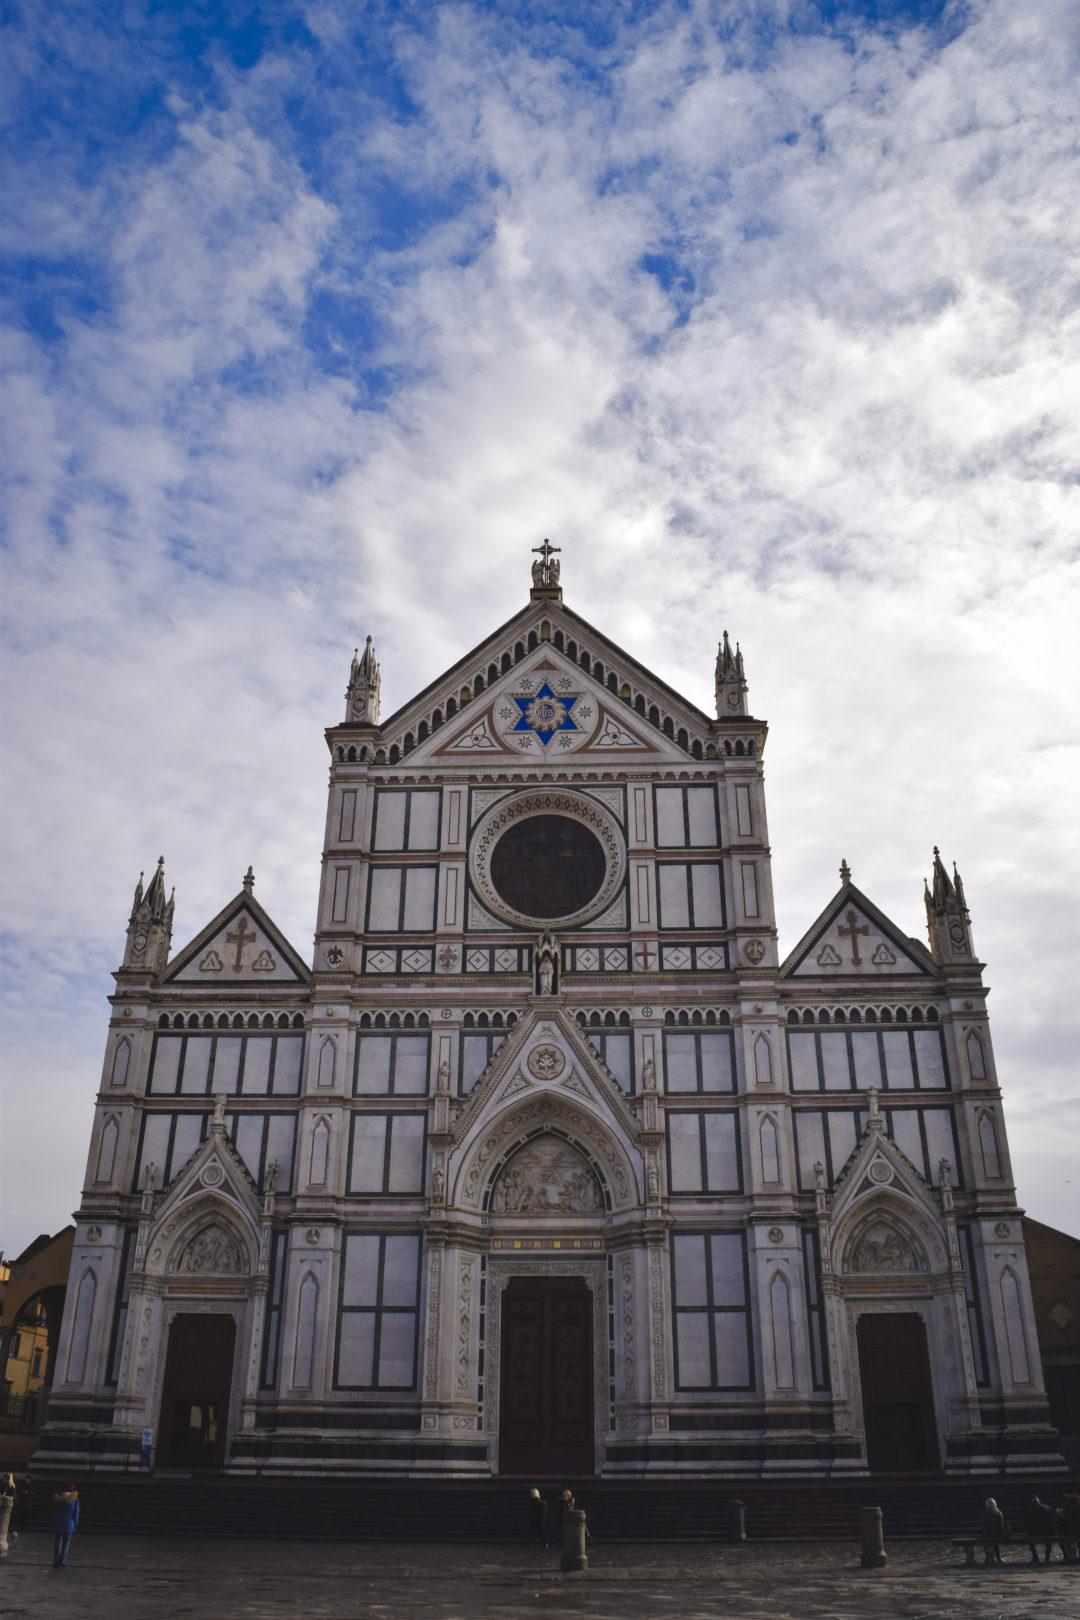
(730, 680)
(947, 916)
(362, 695)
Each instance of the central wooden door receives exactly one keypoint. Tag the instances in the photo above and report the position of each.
(546, 1403)
(194, 1411)
(898, 1395)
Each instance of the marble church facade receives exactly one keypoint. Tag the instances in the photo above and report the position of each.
(548, 1162)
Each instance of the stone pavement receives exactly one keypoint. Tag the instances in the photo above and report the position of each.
(129, 1578)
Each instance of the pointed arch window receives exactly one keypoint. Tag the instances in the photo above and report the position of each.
(82, 1322)
(780, 1315)
(110, 1134)
(121, 1060)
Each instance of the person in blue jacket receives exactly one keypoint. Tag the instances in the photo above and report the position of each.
(65, 1518)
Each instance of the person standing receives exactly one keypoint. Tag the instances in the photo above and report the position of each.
(537, 1517)
(995, 1530)
(65, 1520)
(24, 1501)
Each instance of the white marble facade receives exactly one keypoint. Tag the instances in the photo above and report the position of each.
(739, 1157)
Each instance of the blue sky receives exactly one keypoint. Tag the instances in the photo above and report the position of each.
(317, 317)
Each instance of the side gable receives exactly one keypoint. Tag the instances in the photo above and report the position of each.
(241, 946)
(853, 939)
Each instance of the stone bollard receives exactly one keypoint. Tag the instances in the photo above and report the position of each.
(738, 1521)
(874, 1555)
(6, 1505)
(573, 1542)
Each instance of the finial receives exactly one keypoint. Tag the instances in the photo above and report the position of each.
(249, 881)
(845, 872)
(545, 571)
(936, 850)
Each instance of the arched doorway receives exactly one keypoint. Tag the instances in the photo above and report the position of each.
(194, 1412)
(897, 1393)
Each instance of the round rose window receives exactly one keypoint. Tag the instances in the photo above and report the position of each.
(548, 866)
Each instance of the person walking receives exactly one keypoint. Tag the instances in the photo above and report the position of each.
(537, 1517)
(65, 1520)
(24, 1501)
(995, 1530)
(1040, 1523)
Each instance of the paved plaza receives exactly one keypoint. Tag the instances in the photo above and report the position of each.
(129, 1578)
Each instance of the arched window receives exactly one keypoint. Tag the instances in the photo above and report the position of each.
(770, 1150)
(80, 1328)
(320, 1153)
(121, 1059)
(307, 1310)
(107, 1151)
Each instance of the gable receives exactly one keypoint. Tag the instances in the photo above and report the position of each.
(547, 711)
(241, 946)
(853, 939)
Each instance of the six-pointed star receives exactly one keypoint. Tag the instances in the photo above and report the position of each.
(545, 714)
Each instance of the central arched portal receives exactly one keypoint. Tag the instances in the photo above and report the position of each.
(195, 1392)
(546, 1402)
(898, 1395)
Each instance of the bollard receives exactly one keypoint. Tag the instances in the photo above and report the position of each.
(573, 1544)
(874, 1555)
(6, 1505)
(738, 1521)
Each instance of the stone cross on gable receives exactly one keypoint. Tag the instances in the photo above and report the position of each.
(240, 937)
(854, 929)
(546, 571)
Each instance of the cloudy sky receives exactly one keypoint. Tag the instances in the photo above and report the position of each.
(319, 316)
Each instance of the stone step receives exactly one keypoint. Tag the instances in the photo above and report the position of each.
(344, 1509)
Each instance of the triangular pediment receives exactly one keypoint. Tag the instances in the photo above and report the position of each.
(545, 1054)
(876, 1165)
(853, 939)
(242, 945)
(546, 711)
(634, 714)
(214, 1171)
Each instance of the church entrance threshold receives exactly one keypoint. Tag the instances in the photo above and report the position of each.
(898, 1396)
(194, 1411)
(546, 1402)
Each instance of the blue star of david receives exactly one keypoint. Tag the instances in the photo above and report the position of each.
(545, 714)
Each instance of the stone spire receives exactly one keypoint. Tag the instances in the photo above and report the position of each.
(362, 697)
(149, 930)
(730, 680)
(947, 918)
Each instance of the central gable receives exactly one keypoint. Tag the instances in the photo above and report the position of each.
(547, 711)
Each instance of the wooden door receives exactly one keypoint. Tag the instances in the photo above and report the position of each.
(546, 1404)
(898, 1394)
(194, 1413)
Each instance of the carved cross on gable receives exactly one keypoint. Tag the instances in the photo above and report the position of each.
(854, 929)
(240, 937)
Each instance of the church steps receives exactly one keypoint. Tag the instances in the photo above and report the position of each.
(619, 1511)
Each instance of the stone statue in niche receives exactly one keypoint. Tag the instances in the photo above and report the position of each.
(881, 1248)
(211, 1250)
(547, 963)
(547, 1177)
